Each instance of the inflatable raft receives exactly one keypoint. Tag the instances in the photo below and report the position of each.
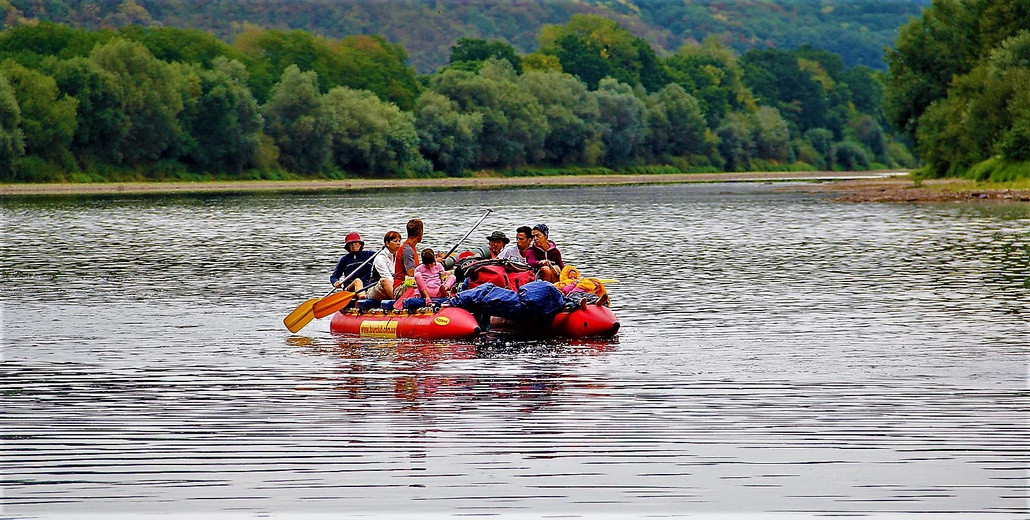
(445, 323)
(456, 323)
(589, 321)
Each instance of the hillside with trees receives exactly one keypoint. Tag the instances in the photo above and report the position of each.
(149, 102)
(959, 86)
(141, 103)
(857, 30)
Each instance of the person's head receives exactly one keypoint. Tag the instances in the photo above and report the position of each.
(354, 242)
(414, 228)
(540, 235)
(497, 241)
(569, 273)
(392, 241)
(428, 256)
(523, 237)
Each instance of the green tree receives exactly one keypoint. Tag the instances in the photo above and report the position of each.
(296, 119)
(513, 124)
(736, 141)
(221, 119)
(470, 53)
(821, 140)
(150, 97)
(372, 137)
(358, 62)
(29, 44)
(47, 117)
(982, 115)
(850, 156)
(582, 58)
(948, 41)
(540, 62)
(101, 121)
(622, 121)
(863, 129)
(374, 64)
(171, 44)
(771, 135)
(572, 117)
(777, 80)
(592, 47)
(12, 142)
(866, 88)
(675, 124)
(711, 74)
(448, 137)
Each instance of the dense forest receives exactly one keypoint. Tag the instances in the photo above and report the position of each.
(959, 86)
(166, 103)
(857, 30)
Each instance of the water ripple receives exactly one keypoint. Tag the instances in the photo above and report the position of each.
(779, 355)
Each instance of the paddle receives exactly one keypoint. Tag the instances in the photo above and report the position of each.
(334, 302)
(331, 303)
(305, 312)
(302, 315)
(399, 303)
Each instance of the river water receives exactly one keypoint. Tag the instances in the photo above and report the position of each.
(781, 355)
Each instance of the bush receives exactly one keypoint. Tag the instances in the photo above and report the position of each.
(850, 156)
(997, 169)
(900, 155)
(33, 168)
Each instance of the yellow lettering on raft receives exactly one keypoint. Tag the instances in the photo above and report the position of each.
(441, 320)
(378, 329)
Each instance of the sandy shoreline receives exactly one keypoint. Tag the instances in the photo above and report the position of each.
(444, 183)
(903, 189)
(871, 186)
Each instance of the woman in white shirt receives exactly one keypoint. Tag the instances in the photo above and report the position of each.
(382, 268)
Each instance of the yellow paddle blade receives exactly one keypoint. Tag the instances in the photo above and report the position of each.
(331, 304)
(300, 316)
(607, 280)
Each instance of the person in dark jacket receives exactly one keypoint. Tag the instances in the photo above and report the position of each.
(353, 260)
(543, 255)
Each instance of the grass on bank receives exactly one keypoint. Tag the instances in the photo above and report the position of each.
(992, 174)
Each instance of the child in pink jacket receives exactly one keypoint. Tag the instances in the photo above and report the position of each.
(431, 279)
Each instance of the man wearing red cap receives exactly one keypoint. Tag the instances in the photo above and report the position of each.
(356, 255)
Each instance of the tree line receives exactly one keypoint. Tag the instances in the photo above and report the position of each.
(958, 87)
(166, 103)
(856, 30)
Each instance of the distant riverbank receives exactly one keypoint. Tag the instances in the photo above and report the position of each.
(475, 182)
(903, 189)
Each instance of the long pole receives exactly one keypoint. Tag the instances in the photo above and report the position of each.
(478, 222)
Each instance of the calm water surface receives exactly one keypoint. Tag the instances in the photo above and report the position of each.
(780, 355)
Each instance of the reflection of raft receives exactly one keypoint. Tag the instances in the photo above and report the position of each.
(455, 323)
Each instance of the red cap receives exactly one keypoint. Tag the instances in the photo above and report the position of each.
(354, 237)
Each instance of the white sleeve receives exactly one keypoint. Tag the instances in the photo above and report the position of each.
(511, 253)
(383, 265)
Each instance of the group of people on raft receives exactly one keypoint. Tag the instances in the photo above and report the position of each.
(384, 277)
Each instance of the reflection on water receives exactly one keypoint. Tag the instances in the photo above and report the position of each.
(779, 354)
(419, 370)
